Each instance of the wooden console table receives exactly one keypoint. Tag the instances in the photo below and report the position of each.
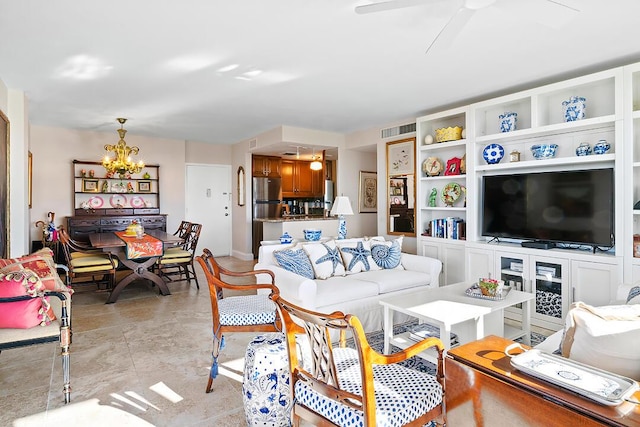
(483, 389)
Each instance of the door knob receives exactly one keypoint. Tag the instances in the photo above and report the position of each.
(227, 214)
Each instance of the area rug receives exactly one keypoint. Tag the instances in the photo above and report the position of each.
(376, 340)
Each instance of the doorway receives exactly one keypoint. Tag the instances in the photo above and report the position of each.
(208, 202)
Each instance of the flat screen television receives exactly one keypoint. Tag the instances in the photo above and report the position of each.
(574, 207)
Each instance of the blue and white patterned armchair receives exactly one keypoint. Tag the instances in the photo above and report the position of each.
(356, 387)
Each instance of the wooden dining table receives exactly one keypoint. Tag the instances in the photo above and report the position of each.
(141, 268)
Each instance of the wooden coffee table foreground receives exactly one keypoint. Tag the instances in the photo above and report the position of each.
(483, 389)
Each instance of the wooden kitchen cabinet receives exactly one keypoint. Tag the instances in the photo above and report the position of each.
(298, 180)
(268, 166)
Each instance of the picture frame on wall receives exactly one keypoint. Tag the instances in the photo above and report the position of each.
(368, 192)
(401, 157)
(144, 186)
(4, 186)
(90, 185)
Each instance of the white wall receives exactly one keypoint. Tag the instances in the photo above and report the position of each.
(54, 149)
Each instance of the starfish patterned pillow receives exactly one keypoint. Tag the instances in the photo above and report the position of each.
(357, 257)
(325, 259)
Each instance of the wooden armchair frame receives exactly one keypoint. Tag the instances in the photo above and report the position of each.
(84, 261)
(213, 272)
(179, 260)
(322, 374)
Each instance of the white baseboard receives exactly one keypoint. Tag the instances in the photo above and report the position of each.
(242, 255)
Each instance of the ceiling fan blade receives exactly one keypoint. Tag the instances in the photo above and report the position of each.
(451, 29)
(390, 5)
(550, 13)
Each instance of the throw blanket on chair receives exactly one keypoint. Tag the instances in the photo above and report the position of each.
(144, 247)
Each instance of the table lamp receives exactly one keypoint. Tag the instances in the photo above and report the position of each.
(341, 207)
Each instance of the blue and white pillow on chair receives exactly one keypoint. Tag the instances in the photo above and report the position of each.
(296, 261)
(357, 257)
(325, 259)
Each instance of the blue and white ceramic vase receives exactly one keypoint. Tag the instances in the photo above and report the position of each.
(574, 109)
(601, 147)
(584, 149)
(508, 121)
(266, 389)
(493, 153)
(286, 238)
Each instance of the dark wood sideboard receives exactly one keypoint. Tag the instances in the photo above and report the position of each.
(105, 220)
(483, 389)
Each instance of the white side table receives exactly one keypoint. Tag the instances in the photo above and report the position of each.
(266, 390)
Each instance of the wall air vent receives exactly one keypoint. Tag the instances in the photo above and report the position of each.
(398, 130)
(253, 143)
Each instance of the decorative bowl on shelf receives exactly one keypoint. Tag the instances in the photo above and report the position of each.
(448, 134)
(493, 153)
(544, 151)
(312, 235)
(508, 121)
(575, 108)
(601, 147)
(491, 287)
(584, 149)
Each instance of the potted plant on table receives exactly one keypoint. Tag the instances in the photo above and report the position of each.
(491, 287)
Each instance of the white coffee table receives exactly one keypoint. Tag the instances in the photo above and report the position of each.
(447, 306)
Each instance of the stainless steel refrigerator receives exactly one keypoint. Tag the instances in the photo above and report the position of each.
(267, 197)
(267, 204)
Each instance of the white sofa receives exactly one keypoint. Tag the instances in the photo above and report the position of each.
(356, 293)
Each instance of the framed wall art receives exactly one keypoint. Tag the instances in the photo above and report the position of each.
(400, 157)
(368, 192)
(4, 186)
(144, 186)
(90, 185)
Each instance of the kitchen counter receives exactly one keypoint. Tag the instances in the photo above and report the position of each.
(295, 218)
(295, 226)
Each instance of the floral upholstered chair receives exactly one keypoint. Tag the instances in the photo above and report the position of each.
(246, 313)
(347, 387)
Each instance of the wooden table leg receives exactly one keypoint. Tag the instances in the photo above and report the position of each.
(139, 270)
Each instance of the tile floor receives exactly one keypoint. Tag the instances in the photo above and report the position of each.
(141, 361)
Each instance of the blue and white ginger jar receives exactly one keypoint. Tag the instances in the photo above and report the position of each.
(584, 149)
(508, 121)
(575, 108)
(601, 147)
(493, 153)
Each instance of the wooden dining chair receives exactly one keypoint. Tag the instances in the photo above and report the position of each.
(244, 313)
(83, 261)
(179, 260)
(341, 386)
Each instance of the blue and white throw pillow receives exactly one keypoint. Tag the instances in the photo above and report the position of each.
(386, 254)
(357, 257)
(296, 261)
(325, 259)
(634, 295)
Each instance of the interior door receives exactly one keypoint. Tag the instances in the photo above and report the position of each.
(208, 202)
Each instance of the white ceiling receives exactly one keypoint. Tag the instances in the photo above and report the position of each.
(160, 63)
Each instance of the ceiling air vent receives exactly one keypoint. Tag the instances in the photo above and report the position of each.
(253, 143)
(398, 130)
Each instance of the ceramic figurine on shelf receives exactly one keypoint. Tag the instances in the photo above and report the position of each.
(129, 187)
(105, 186)
(146, 175)
(432, 198)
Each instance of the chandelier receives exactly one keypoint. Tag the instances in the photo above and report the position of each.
(122, 164)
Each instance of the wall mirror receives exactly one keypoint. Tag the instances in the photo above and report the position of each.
(241, 186)
(401, 187)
